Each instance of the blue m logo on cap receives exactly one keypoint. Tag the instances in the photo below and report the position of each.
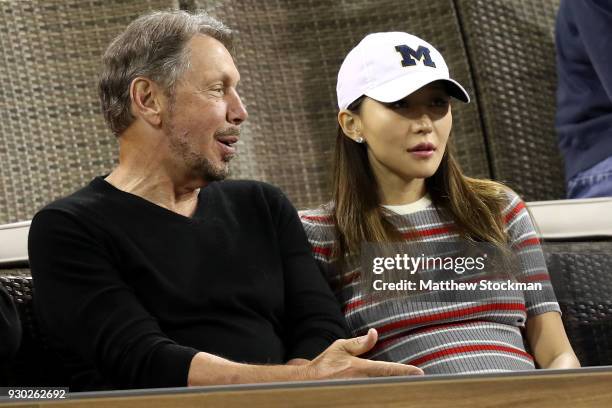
(410, 56)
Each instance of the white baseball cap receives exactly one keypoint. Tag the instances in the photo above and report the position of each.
(390, 66)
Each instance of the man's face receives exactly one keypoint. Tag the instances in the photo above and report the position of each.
(202, 123)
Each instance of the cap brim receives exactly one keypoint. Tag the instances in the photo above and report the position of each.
(399, 88)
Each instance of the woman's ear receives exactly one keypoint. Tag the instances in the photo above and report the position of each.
(350, 122)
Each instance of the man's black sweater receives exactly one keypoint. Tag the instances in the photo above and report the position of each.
(10, 329)
(130, 291)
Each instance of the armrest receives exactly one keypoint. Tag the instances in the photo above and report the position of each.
(14, 242)
(568, 219)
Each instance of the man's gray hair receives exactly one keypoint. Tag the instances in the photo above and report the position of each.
(152, 46)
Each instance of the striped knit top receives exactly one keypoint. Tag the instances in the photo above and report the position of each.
(472, 333)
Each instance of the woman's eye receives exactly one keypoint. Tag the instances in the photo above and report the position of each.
(402, 103)
(440, 102)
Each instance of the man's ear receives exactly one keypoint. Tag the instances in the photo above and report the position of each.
(147, 102)
(350, 122)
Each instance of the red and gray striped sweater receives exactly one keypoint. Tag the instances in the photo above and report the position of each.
(475, 334)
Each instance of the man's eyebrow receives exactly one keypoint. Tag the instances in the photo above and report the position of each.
(228, 79)
(222, 78)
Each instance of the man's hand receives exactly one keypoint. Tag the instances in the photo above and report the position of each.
(340, 361)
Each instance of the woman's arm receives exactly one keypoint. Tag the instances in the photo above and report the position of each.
(545, 331)
(549, 343)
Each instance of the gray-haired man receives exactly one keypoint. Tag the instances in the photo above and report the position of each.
(160, 274)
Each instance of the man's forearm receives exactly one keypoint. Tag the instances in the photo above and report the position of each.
(207, 369)
(337, 361)
(298, 361)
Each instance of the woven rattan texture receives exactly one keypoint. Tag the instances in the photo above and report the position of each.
(289, 53)
(581, 273)
(512, 55)
(35, 364)
(52, 136)
(15, 271)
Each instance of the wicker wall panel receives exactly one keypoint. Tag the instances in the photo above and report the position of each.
(35, 363)
(289, 53)
(581, 273)
(52, 136)
(512, 55)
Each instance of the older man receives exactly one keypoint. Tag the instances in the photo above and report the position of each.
(160, 274)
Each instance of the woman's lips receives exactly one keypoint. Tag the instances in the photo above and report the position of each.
(423, 150)
(422, 153)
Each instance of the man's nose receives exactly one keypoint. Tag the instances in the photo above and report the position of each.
(236, 113)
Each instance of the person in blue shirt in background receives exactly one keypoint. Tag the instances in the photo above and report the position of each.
(584, 95)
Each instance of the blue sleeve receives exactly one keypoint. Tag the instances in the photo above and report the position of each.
(592, 21)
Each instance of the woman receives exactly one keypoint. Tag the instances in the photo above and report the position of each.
(395, 180)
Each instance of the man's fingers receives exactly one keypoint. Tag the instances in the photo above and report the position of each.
(384, 369)
(362, 344)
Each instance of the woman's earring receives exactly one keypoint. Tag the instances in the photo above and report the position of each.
(359, 139)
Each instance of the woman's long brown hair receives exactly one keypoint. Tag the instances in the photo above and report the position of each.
(475, 205)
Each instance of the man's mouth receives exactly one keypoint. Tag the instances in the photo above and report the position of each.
(228, 144)
(228, 140)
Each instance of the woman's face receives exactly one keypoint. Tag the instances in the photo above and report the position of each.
(407, 138)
